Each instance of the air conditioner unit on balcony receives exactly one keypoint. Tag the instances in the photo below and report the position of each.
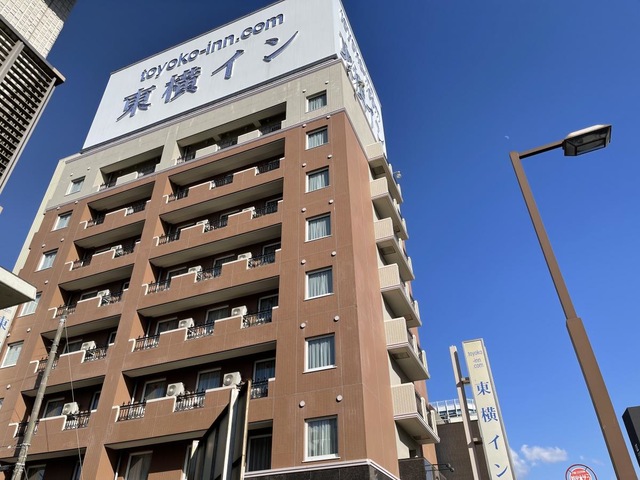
(88, 345)
(196, 269)
(186, 323)
(203, 222)
(104, 293)
(175, 389)
(232, 378)
(244, 256)
(70, 408)
(239, 311)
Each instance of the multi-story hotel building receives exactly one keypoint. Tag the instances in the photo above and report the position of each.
(231, 230)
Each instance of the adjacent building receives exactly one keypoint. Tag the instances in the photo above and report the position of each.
(232, 224)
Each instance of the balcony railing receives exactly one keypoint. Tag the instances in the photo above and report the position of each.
(122, 251)
(145, 343)
(168, 238)
(209, 273)
(223, 180)
(259, 318)
(114, 297)
(131, 411)
(22, 428)
(189, 401)
(186, 157)
(66, 310)
(95, 354)
(97, 220)
(268, 166)
(178, 194)
(262, 260)
(158, 286)
(260, 388)
(81, 263)
(264, 130)
(216, 225)
(108, 184)
(227, 143)
(147, 170)
(199, 331)
(136, 207)
(266, 210)
(42, 364)
(77, 420)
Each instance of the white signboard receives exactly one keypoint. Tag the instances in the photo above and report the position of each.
(494, 438)
(256, 49)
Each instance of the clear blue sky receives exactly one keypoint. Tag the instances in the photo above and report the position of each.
(461, 84)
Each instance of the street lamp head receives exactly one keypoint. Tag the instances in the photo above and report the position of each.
(586, 140)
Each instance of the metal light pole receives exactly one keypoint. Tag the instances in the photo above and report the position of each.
(577, 143)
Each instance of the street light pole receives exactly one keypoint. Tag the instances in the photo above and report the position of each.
(584, 352)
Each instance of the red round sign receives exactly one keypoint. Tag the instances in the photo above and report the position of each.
(580, 472)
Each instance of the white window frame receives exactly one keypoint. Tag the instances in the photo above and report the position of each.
(95, 400)
(315, 96)
(137, 454)
(46, 255)
(167, 320)
(271, 245)
(317, 131)
(202, 372)
(306, 285)
(72, 342)
(29, 308)
(11, 347)
(306, 439)
(66, 216)
(317, 217)
(75, 185)
(306, 353)
(46, 407)
(231, 257)
(315, 172)
(223, 307)
(112, 337)
(249, 439)
(88, 295)
(125, 286)
(260, 300)
(255, 365)
(148, 382)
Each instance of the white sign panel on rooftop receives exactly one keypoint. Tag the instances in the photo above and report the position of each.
(258, 48)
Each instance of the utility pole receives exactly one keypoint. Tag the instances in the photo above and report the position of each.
(33, 419)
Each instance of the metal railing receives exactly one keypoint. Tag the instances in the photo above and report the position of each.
(260, 388)
(122, 251)
(222, 180)
(77, 420)
(95, 354)
(147, 170)
(199, 331)
(131, 411)
(227, 143)
(97, 220)
(136, 207)
(262, 260)
(66, 310)
(258, 318)
(266, 210)
(268, 166)
(270, 128)
(145, 343)
(22, 428)
(215, 225)
(189, 401)
(169, 237)
(178, 194)
(108, 184)
(209, 273)
(158, 286)
(114, 297)
(42, 363)
(186, 157)
(81, 263)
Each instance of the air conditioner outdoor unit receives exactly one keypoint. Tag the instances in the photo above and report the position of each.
(244, 256)
(88, 345)
(197, 268)
(233, 378)
(239, 311)
(104, 293)
(70, 408)
(175, 389)
(203, 222)
(186, 323)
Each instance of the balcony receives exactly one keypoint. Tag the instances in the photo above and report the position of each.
(396, 294)
(403, 346)
(387, 206)
(126, 222)
(96, 308)
(380, 167)
(392, 248)
(410, 412)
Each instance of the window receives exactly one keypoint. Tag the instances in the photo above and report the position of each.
(112, 337)
(321, 352)
(213, 315)
(317, 138)
(317, 179)
(319, 227)
(29, 308)
(47, 259)
(166, 325)
(62, 221)
(88, 295)
(259, 453)
(319, 283)
(53, 408)
(208, 379)
(322, 438)
(94, 400)
(13, 352)
(266, 304)
(77, 472)
(35, 473)
(75, 186)
(73, 346)
(314, 102)
(154, 389)
(138, 466)
(1, 402)
(264, 370)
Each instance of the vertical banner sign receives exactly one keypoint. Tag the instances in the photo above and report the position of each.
(494, 438)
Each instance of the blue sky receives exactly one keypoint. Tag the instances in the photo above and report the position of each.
(461, 84)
